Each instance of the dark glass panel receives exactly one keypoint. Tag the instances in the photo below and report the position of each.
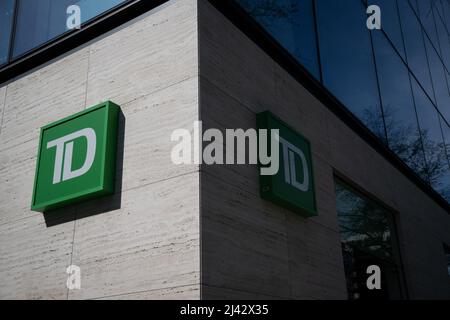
(441, 12)
(39, 21)
(6, 19)
(439, 81)
(427, 17)
(347, 60)
(368, 238)
(413, 4)
(444, 42)
(391, 24)
(398, 105)
(446, 13)
(430, 129)
(415, 48)
(291, 23)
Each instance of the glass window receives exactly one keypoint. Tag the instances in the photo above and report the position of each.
(39, 21)
(291, 23)
(368, 237)
(426, 14)
(446, 13)
(415, 47)
(413, 4)
(444, 41)
(433, 144)
(398, 105)
(347, 60)
(6, 18)
(439, 81)
(391, 24)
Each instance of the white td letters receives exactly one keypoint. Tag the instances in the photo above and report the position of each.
(64, 153)
(290, 175)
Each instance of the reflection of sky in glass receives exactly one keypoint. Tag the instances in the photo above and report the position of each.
(434, 148)
(439, 81)
(398, 104)
(347, 61)
(291, 22)
(6, 15)
(446, 12)
(426, 14)
(391, 24)
(42, 20)
(444, 43)
(91, 8)
(415, 48)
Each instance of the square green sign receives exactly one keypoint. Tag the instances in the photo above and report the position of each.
(293, 185)
(76, 158)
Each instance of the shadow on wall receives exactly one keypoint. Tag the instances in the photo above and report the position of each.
(99, 205)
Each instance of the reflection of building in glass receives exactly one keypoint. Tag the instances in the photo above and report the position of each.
(368, 236)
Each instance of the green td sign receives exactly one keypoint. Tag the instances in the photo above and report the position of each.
(293, 185)
(76, 158)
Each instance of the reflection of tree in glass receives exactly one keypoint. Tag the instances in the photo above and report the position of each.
(405, 141)
(267, 10)
(364, 227)
(374, 121)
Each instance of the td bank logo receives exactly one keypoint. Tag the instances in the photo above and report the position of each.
(293, 185)
(76, 158)
(290, 152)
(64, 146)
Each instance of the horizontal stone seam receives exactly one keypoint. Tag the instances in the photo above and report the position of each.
(145, 291)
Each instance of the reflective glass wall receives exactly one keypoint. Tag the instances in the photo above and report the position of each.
(395, 80)
(6, 20)
(28, 24)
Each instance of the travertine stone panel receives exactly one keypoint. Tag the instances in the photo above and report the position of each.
(150, 243)
(48, 94)
(34, 258)
(152, 53)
